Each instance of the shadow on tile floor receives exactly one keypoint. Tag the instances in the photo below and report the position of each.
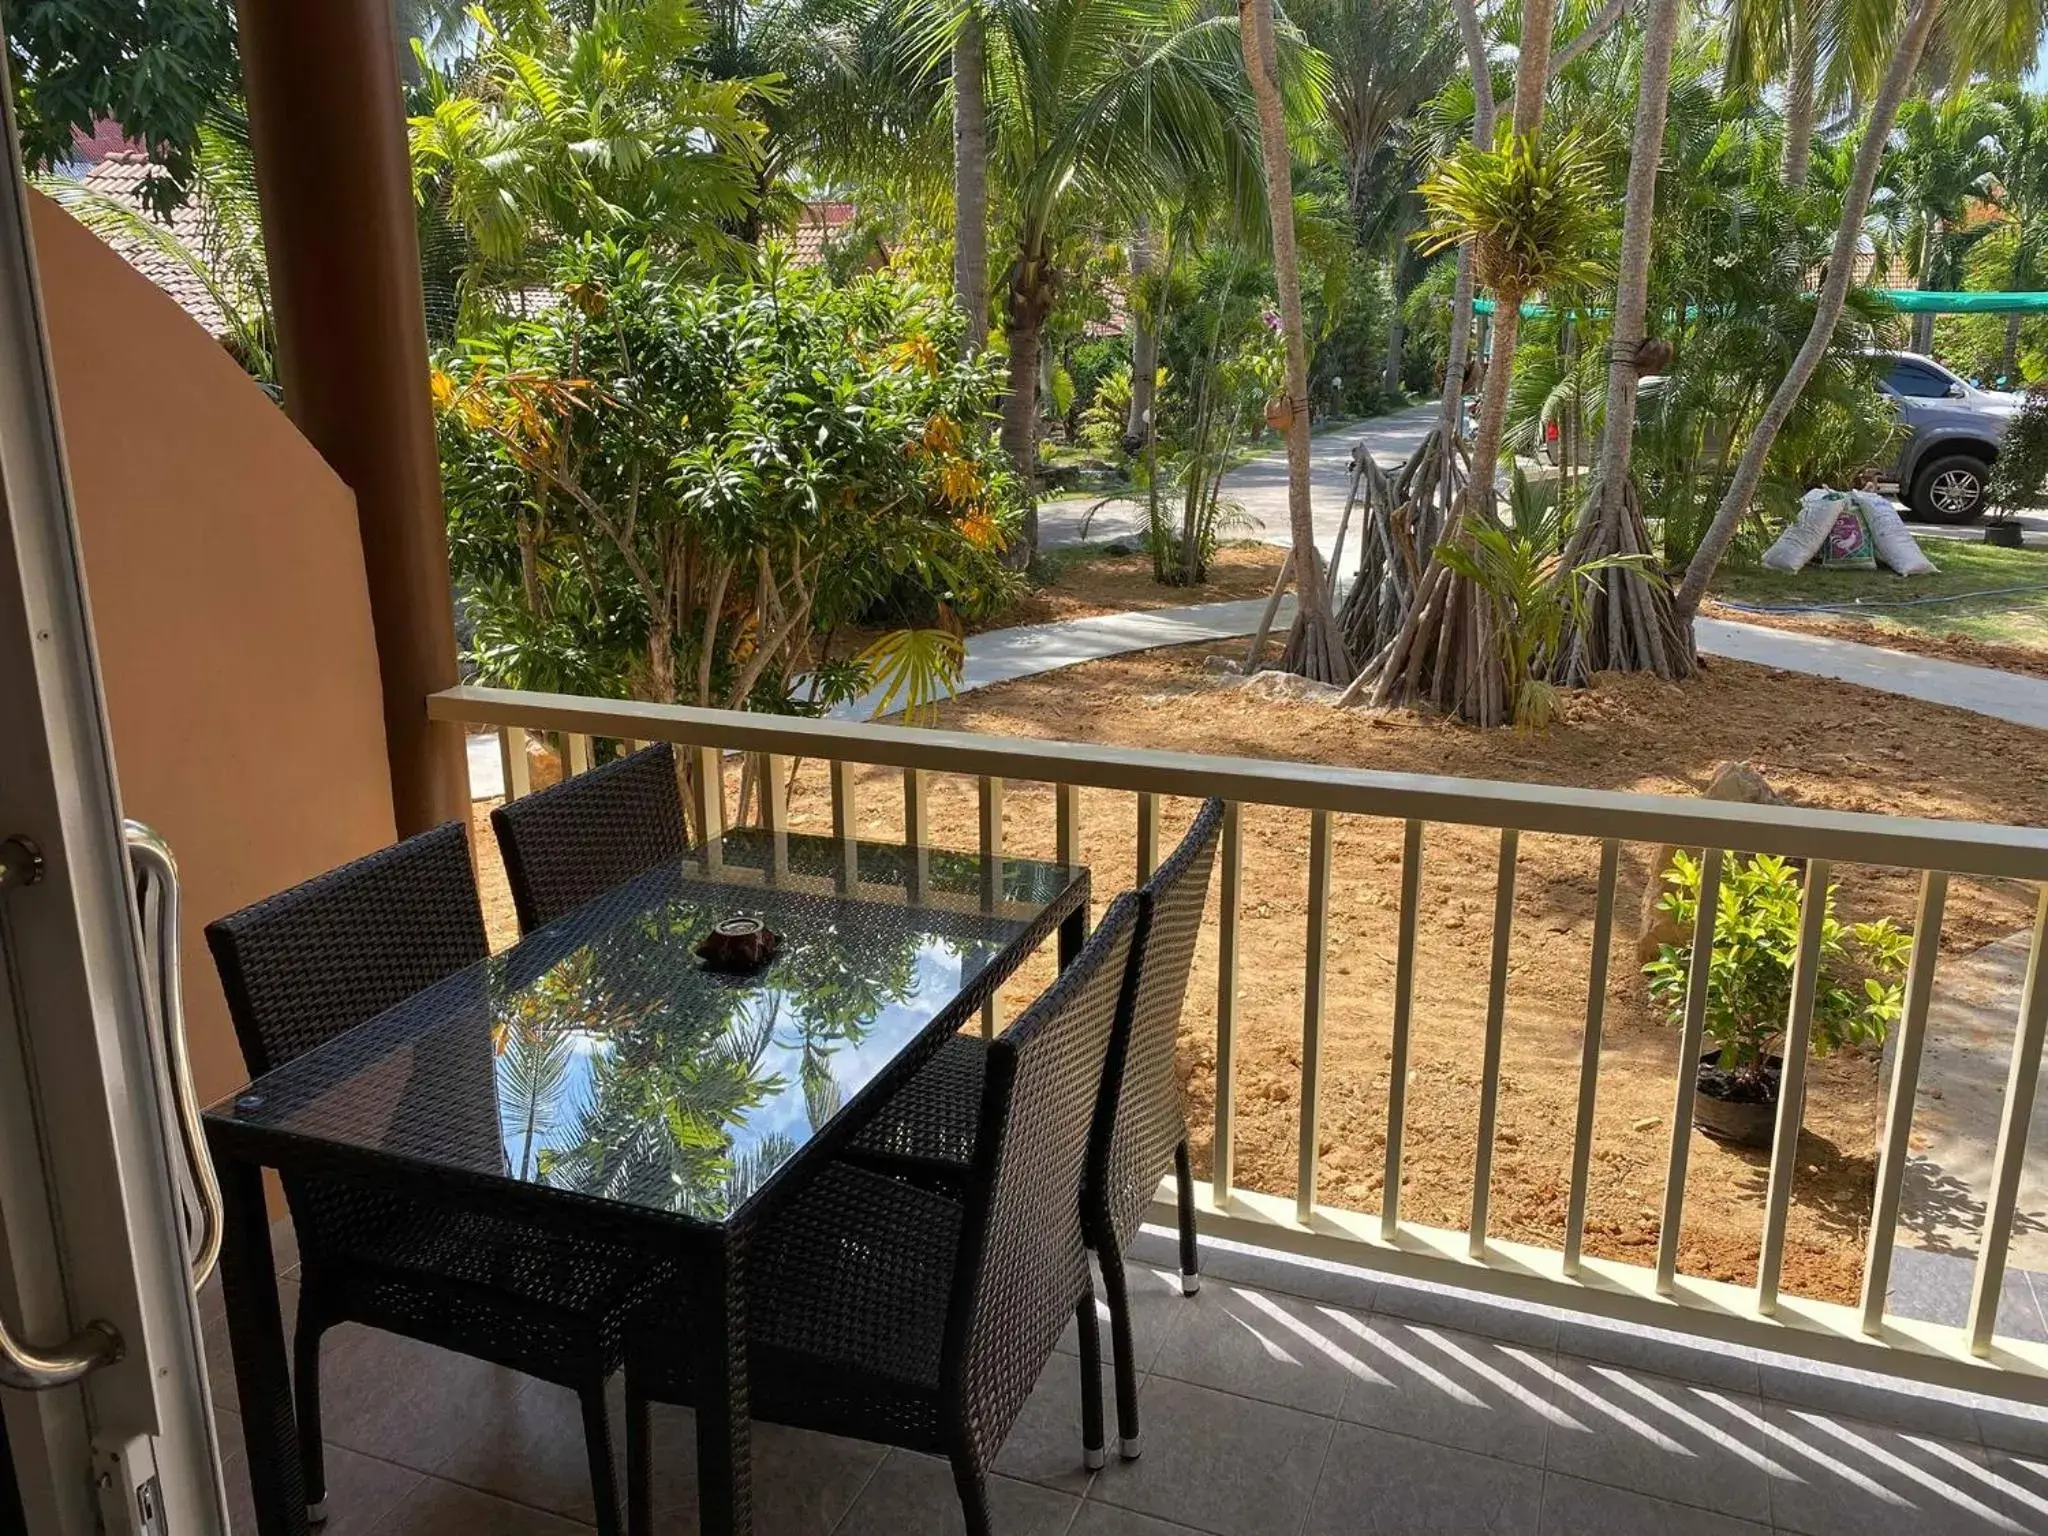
(1315, 1402)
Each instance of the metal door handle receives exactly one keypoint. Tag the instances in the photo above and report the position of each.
(30, 1367)
(156, 886)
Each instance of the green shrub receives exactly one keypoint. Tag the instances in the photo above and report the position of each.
(2022, 464)
(1100, 428)
(1756, 941)
(678, 491)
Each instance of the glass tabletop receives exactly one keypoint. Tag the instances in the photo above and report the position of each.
(600, 1055)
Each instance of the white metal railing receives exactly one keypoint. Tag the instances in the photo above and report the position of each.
(1866, 1335)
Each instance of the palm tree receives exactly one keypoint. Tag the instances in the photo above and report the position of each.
(1092, 105)
(1820, 51)
(1909, 45)
(1629, 621)
(1387, 58)
(1948, 159)
(2022, 200)
(556, 130)
(1315, 649)
(970, 177)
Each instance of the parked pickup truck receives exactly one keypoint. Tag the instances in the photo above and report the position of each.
(1952, 434)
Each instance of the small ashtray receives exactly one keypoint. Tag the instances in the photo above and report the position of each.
(739, 945)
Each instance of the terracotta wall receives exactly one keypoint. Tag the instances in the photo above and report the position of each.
(226, 582)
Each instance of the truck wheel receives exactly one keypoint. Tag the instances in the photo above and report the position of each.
(1950, 489)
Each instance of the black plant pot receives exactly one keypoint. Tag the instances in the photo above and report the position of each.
(1731, 1109)
(2004, 533)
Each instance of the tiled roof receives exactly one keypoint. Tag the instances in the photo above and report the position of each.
(819, 225)
(120, 176)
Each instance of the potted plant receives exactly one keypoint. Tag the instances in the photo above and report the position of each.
(1857, 994)
(2018, 474)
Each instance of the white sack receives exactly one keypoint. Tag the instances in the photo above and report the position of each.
(1896, 546)
(1802, 540)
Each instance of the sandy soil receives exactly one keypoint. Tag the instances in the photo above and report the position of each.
(1123, 584)
(1969, 652)
(1818, 744)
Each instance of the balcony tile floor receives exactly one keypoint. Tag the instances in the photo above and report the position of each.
(1286, 1398)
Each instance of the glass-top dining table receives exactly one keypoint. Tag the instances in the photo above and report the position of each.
(600, 1075)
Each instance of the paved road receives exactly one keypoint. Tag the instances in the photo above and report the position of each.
(1260, 488)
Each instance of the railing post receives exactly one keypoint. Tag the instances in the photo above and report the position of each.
(575, 754)
(518, 773)
(710, 796)
(772, 769)
(917, 827)
(1589, 1053)
(1792, 1082)
(1698, 980)
(1496, 1027)
(2021, 1082)
(991, 819)
(1223, 1146)
(1312, 1011)
(1067, 828)
(1397, 1050)
(846, 822)
(1148, 836)
(1897, 1147)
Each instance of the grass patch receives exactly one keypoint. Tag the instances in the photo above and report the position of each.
(2010, 618)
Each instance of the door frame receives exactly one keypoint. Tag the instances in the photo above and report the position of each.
(91, 1222)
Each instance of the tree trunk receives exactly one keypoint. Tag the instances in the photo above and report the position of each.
(1315, 649)
(1400, 279)
(1605, 526)
(1532, 69)
(1030, 298)
(2011, 356)
(1484, 495)
(1801, 74)
(1531, 77)
(1749, 469)
(1922, 340)
(1597, 28)
(1458, 354)
(970, 181)
(1144, 335)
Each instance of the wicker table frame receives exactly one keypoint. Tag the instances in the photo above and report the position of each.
(714, 1256)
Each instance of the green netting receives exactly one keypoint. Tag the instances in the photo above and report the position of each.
(1935, 301)
(1912, 301)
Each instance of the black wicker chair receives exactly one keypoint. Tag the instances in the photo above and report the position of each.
(887, 1312)
(925, 1135)
(574, 841)
(309, 964)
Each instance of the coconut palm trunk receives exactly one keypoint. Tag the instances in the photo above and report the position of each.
(1532, 76)
(970, 180)
(1459, 353)
(1834, 292)
(1144, 334)
(1802, 72)
(1031, 297)
(1315, 648)
(1629, 623)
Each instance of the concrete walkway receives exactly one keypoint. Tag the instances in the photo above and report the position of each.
(1981, 690)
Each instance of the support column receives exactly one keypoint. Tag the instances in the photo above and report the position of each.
(328, 128)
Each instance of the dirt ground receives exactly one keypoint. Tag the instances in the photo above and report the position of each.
(1818, 744)
(1123, 584)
